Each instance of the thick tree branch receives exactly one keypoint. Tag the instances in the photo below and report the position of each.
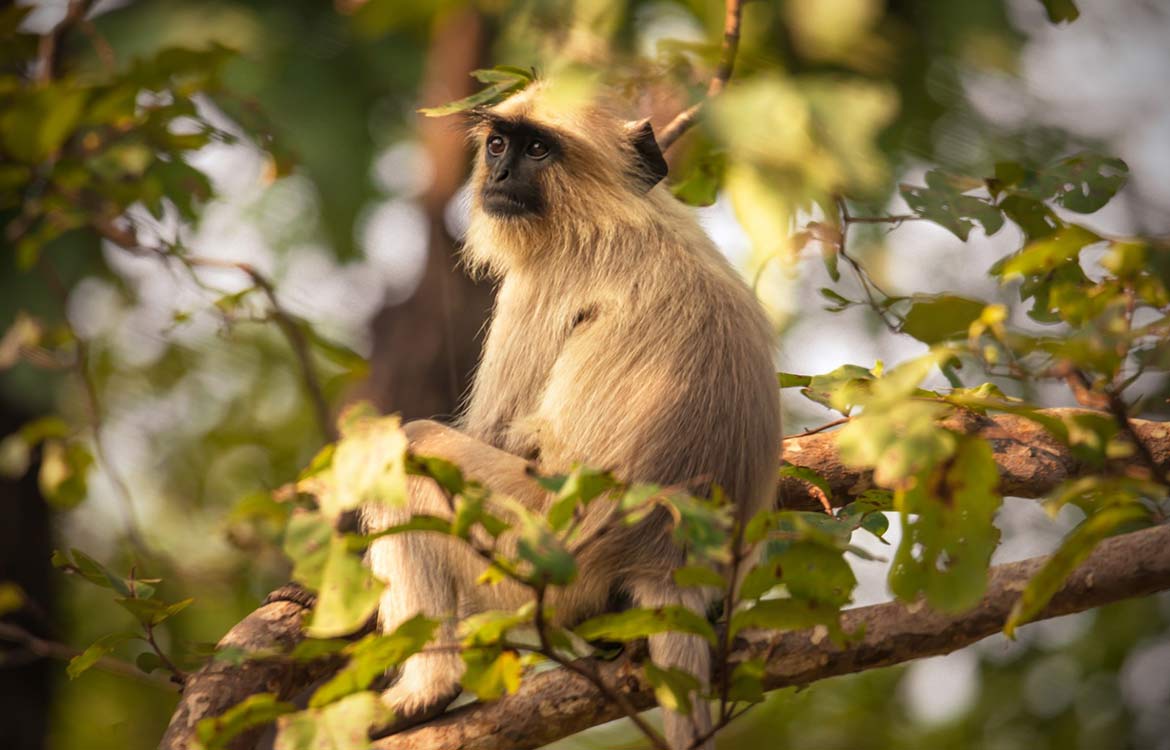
(1031, 462)
(273, 628)
(555, 704)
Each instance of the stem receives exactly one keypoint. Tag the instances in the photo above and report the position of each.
(590, 673)
(289, 325)
(62, 652)
(686, 119)
(822, 428)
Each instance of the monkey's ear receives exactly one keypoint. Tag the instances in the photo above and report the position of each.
(649, 165)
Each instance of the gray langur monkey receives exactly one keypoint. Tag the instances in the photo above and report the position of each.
(621, 339)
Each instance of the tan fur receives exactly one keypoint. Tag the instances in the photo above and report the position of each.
(621, 339)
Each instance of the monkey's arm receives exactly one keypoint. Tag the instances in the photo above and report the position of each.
(498, 470)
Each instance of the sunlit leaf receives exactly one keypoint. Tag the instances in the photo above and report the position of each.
(372, 656)
(491, 672)
(633, 624)
(948, 534)
(214, 733)
(342, 725)
(672, 687)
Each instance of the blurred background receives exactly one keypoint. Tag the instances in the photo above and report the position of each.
(201, 419)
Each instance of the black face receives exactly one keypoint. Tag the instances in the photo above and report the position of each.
(514, 154)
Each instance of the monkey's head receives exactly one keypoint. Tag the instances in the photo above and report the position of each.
(548, 174)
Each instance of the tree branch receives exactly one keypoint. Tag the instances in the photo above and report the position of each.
(688, 117)
(1031, 462)
(555, 704)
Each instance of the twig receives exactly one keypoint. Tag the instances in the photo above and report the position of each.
(689, 116)
(289, 325)
(867, 284)
(93, 403)
(53, 650)
(178, 676)
(815, 430)
(1120, 412)
(49, 44)
(591, 674)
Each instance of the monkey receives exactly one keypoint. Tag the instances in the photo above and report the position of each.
(621, 339)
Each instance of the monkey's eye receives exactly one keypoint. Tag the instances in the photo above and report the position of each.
(496, 145)
(536, 149)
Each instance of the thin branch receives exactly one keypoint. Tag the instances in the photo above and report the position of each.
(688, 117)
(867, 284)
(587, 668)
(289, 324)
(43, 648)
(49, 45)
(821, 428)
(93, 404)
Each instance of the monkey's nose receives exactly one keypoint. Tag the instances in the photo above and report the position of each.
(501, 175)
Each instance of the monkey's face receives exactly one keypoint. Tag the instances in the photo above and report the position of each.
(515, 155)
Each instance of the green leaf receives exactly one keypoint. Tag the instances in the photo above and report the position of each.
(79, 664)
(936, 318)
(537, 545)
(63, 478)
(1084, 182)
(307, 541)
(838, 389)
(343, 725)
(1077, 546)
(152, 611)
(148, 661)
(39, 121)
(948, 531)
(701, 185)
(348, 594)
(491, 672)
(1045, 255)
(372, 656)
(790, 380)
(488, 628)
(747, 682)
(496, 92)
(633, 624)
(580, 487)
(942, 201)
(699, 575)
(672, 687)
(447, 474)
(785, 614)
(216, 732)
(12, 597)
(816, 573)
(1060, 11)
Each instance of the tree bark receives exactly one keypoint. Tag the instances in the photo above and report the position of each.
(1031, 462)
(555, 704)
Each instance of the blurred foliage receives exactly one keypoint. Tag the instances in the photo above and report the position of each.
(177, 418)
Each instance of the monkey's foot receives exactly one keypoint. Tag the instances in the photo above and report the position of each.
(427, 685)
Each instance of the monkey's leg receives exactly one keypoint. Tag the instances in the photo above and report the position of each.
(422, 575)
(435, 575)
(689, 653)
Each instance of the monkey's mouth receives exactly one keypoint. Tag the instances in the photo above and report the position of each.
(507, 203)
